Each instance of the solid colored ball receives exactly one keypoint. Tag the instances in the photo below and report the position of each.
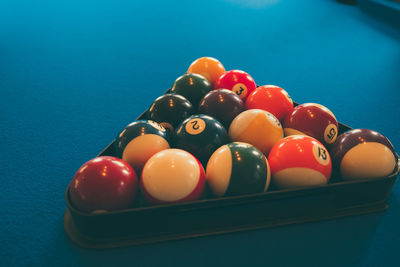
(223, 105)
(135, 129)
(208, 67)
(236, 169)
(299, 161)
(171, 176)
(363, 153)
(169, 110)
(141, 148)
(238, 82)
(200, 135)
(256, 127)
(313, 120)
(192, 86)
(103, 184)
(271, 98)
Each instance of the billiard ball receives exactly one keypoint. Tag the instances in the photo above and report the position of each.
(172, 176)
(236, 169)
(141, 148)
(223, 105)
(103, 184)
(200, 135)
(299, 161)
(256, 127)
(135, 129)
(238, 82)
(313, 120)
(208, 67)
(169, 110)
(271, 98)
(191, 86)
(363, 153)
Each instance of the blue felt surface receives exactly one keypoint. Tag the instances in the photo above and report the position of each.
(73, 73)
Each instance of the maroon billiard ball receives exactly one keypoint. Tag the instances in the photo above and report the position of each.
(172, 176)
(239, 82)
(363, 153)
(103, 184)
(299, 161)
(223, 105)
(271, 98)
(313, 120)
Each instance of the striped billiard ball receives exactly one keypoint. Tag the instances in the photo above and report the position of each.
(172, 176)
(363, 153)
(299, 161)
(236, 169)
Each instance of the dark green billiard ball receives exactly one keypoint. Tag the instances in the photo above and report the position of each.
(200, 135)
(169, 110)
(192, 86)
(135, 129)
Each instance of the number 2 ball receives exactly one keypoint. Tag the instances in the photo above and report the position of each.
(299, 161)
(236, 169)
(238, 82)
(200, 135)
(103, 184)
(363, 153)
(313, 120)
(172, 176)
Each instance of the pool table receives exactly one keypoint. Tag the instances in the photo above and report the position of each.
(74, 73)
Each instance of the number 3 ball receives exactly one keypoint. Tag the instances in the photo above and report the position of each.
(313, 120)
(256, 127)
(238, 82)
(237, 168)
(172, 175)
(299, 161)
(103, 184)
(363, 153)
(200, 135)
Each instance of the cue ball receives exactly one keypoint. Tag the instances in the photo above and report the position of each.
(236, 169)
(171, 176)
(313, 120)
(271, 98)
(103, 184)
(223, 105)
(238, 82)
(135, 129)
(208, 67)
(363, 153)
(299, 161)
(256, 127)
(169, 110)
(200, 135)
(192, 86)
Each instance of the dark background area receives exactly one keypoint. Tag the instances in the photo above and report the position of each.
(74, 73)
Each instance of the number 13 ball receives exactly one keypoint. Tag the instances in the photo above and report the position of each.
(298, 161)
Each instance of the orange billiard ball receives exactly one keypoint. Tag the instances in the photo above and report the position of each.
(299, 161)
(271, 98)
(208, 67)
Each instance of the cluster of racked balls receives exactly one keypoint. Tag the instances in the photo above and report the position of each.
(222, 121)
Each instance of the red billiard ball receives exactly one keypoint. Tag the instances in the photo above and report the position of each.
(238, 82)
(363, 153)
(103, 184)
(271, 98)
(313, 120)
(223, 105)
(299, 161)
(172, 176)
(256, 127)
(236, 169)
(208, 67)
